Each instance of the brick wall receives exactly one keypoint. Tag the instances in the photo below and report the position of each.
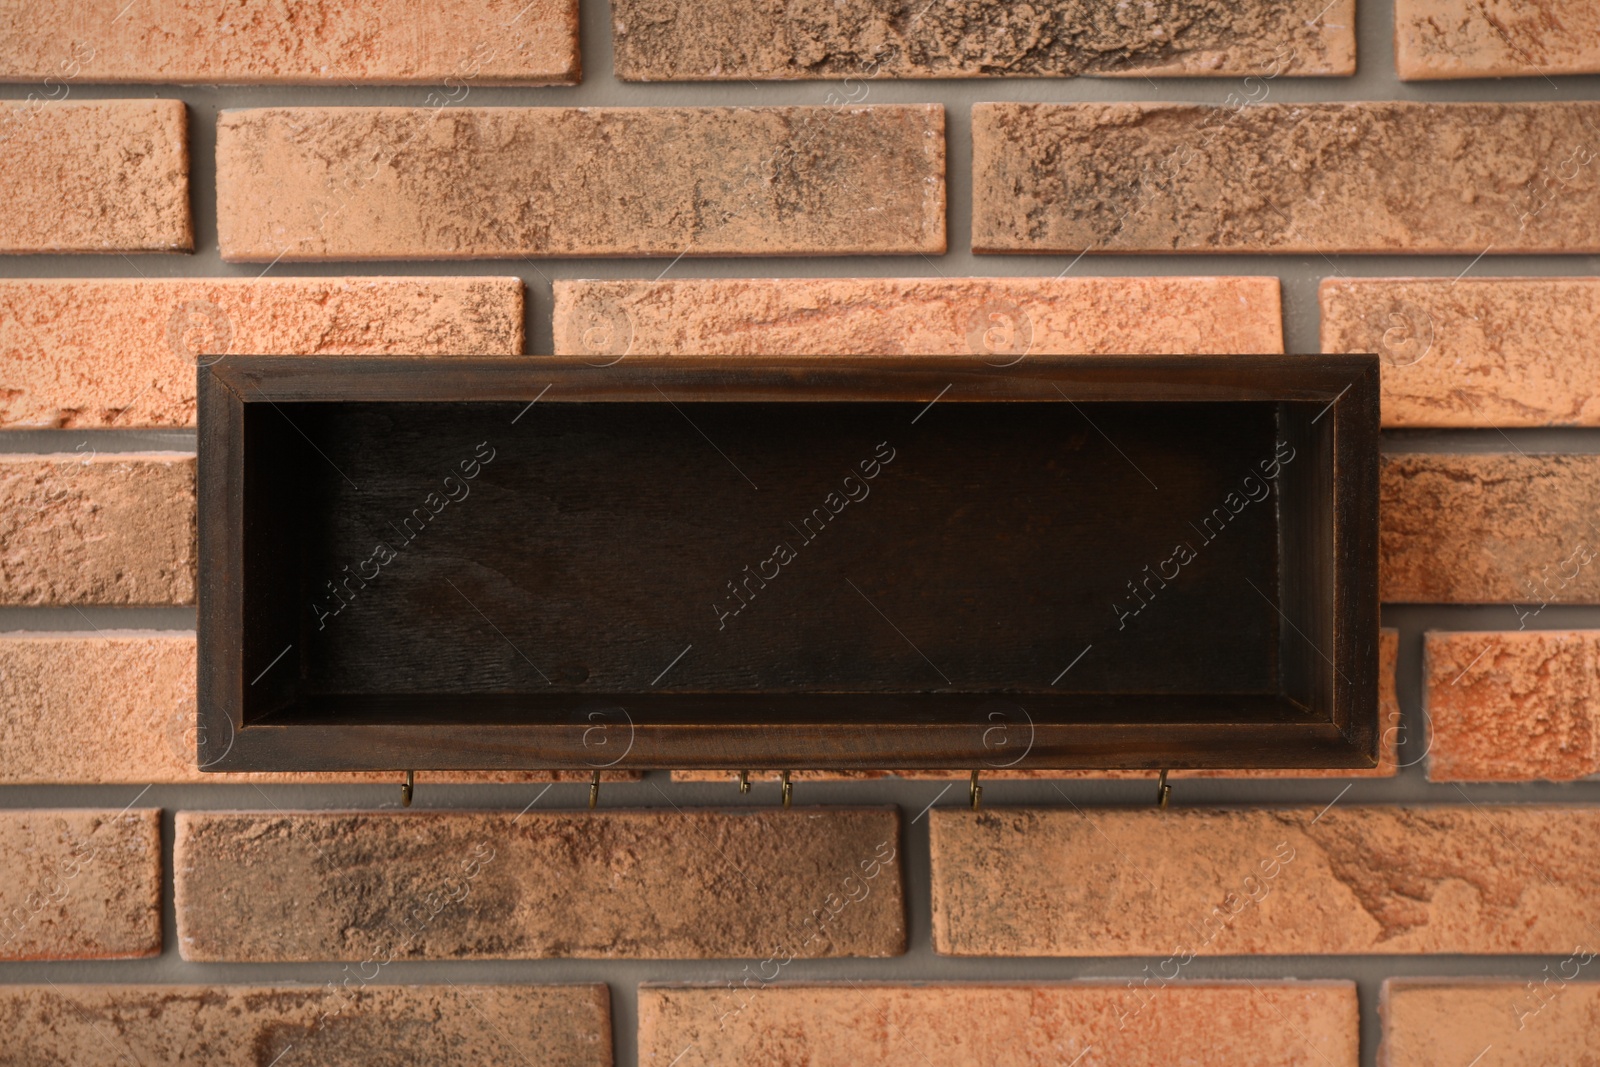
(499, 176)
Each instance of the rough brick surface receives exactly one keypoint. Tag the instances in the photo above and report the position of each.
(1003, 317)
(1395, 748)
(105, 176)
(1088, 1024)
(1489, 352)
(79, 884)
(1361, 177)
(728, 40)
(1460, 879)
(474, 183)
(1495, 38)
(119, 706)
(1546, 1020)
(93, 529)
(643, 884)
(1484, 528)
(1513, 706)
(358, 1022)
(121, 353)
(461, 44)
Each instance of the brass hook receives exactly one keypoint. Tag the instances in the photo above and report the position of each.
(788, 788)
(744, 782)
(976, 790)
(407, 788)
(1163, 791)
(594, 789)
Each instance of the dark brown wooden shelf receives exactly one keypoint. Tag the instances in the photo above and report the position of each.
(532, 562)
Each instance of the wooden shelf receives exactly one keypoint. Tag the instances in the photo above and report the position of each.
(846, 563)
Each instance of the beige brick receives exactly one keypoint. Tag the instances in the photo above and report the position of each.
(1004, 317)
(1549, 1019)
(479, 183)
(357, 1022)
(464, 44)
(121, 353)
(1358, 177)
(1484, 528)
(1495, 38)
(1389, 754)
(93, 529)
(80, 884)
(1490, 352)
(1321, 880)
(1513, 706)
(734, 40)
(640, 884)
(119, 706)
(1087, 1024)
(101, 176)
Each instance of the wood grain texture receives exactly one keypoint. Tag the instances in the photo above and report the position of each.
(1398, 747)
(604, 539)
(483, 691)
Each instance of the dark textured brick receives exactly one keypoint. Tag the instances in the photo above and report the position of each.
(734, 40)
(336, 1025)
(1489, 528)
(1359, 177)
(643, 884)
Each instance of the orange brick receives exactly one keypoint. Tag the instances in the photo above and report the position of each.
(119, 706)
(1389, 754)
(463, 44)
(1486, 528)
(1087, 1024)
(1003, 317)
(356, 1021)
(102, 176)
(93, 529)
(727, 40)
(1356, 177)
(1444, 1022)
(482, 183)
(80, 885)
(1513, 706)
(121, 353)
(1331, 879)
(1490, 352)
(1495, 38)
(642, 884)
